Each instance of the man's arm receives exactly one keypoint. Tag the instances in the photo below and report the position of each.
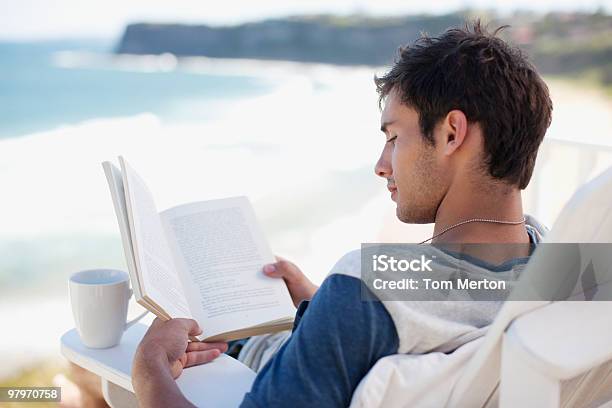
(337, 340)
(154, 385)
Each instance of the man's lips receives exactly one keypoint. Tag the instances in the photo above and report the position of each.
(392, 189)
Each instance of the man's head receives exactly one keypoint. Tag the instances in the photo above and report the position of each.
(464, 107)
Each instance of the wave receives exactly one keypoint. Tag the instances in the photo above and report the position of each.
(167, 62)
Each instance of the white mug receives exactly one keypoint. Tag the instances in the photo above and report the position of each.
(99, 299)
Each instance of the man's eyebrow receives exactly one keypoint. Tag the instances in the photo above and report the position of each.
(383, 127)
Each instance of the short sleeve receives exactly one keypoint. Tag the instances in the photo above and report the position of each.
(337, 340)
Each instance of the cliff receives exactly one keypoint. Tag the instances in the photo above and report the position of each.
(558, 43)
(347, 40)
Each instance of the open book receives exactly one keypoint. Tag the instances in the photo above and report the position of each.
(201, 260)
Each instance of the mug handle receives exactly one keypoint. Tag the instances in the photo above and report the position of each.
(137, 318)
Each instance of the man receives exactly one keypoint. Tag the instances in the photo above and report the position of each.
(464, 115)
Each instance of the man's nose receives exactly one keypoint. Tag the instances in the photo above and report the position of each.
(383, 165)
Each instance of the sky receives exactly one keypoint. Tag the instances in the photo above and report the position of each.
(55, 19)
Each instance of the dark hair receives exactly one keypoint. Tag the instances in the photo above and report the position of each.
(491, 82)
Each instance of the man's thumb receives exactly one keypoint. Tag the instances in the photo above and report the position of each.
(272, 270)
(280, 269)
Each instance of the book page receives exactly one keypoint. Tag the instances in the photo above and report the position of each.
(154, 263)
(115, 185)
(223, 251)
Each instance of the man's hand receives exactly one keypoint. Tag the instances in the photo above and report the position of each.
(162, 355)
(300, 287)
(170, 339)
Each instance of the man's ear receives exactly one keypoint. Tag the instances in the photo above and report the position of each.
(453, 131)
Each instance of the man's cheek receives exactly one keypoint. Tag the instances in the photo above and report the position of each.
(396, 167)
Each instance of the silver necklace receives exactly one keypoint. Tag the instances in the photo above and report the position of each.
(473, 220)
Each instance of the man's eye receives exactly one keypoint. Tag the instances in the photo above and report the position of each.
(392, 140)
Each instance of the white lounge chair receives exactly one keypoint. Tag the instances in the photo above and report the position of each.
(535, 354)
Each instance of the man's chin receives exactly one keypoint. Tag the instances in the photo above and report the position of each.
(409, 215)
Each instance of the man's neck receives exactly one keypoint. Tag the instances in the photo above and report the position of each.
(469, 201)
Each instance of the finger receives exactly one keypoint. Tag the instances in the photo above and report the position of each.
(201, 346)
(287, 269)
(201, 357)
(191, 326)
(272, 271)
(277, 269)
(282, 268)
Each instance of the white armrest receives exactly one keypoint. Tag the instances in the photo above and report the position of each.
(221, 383)
(564, 339)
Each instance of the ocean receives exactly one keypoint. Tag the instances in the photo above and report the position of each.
(195, 129)
(40, 90)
